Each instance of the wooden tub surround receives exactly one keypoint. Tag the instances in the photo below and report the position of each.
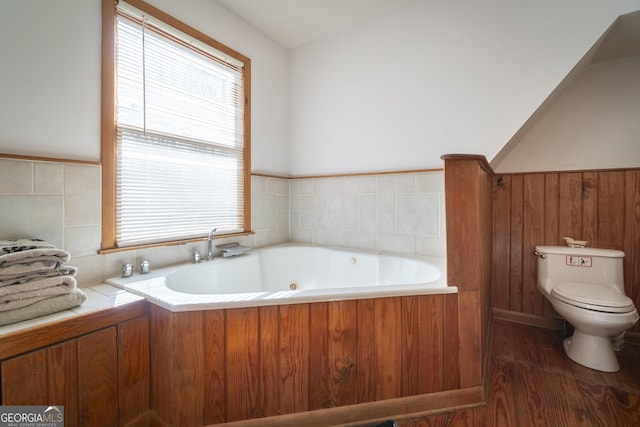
(340, 362)
(238, 364)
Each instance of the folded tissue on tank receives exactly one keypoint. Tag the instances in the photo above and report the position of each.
(35, 280)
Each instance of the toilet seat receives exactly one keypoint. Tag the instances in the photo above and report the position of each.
(592, 297)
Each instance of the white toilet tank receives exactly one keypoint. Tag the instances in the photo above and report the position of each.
(558, 264)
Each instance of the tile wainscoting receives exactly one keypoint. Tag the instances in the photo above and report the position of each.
(60, 202)
(400, 213)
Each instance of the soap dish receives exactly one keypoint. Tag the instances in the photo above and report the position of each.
(575, 243)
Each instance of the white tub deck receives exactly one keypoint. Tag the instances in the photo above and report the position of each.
(265, 276)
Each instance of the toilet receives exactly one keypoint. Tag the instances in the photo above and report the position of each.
(586, 287)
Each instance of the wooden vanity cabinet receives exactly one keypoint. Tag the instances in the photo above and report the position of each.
(101, 377)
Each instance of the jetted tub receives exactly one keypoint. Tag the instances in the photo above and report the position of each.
(288, 274)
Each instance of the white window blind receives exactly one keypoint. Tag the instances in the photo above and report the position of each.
(179, 135)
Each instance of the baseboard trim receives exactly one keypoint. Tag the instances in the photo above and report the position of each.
(374, 412)
(528, 319)
(148, 419)
(632, 338)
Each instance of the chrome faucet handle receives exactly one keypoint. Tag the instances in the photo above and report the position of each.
(145, 266)
(127, 270)
(196, 257)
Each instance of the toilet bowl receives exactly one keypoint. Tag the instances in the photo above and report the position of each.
(590, 345)
(585, 286)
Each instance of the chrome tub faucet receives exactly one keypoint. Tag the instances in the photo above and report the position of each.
(210, 244)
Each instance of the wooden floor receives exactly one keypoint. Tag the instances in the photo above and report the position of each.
(531, 382)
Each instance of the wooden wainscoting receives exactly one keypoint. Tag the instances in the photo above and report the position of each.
(96, 368)
(602, 207)
(229, 365)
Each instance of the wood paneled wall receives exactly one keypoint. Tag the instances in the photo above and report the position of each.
(602, 207)
(235, 364)
(101, 378)
(468, 183)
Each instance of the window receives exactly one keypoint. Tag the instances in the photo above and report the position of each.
(175, 130)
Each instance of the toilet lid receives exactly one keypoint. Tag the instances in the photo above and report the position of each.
(593, 297)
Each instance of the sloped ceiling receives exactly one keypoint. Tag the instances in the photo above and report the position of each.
(622, 40)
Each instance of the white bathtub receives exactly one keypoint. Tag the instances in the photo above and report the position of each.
(288, 274)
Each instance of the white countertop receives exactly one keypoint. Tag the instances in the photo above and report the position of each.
(99, 297)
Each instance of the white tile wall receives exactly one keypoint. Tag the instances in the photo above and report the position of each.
(269, 210)
(401, 213)
(60, 203)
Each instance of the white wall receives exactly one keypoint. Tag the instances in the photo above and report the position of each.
(398, 91)
(593, 124)
(393, 93)
(50, 77)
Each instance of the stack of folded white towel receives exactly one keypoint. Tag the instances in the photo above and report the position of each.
(34, 280)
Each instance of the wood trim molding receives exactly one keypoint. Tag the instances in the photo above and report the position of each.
(347, 175)
(270, 175)
(632, 338)
(48, 159)
(528, 319)
(375, 412)
(246, 155)
(557, 324)
(107, 120)
(172, 243)
(187, 29)
(566, 171)
(482, 160)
